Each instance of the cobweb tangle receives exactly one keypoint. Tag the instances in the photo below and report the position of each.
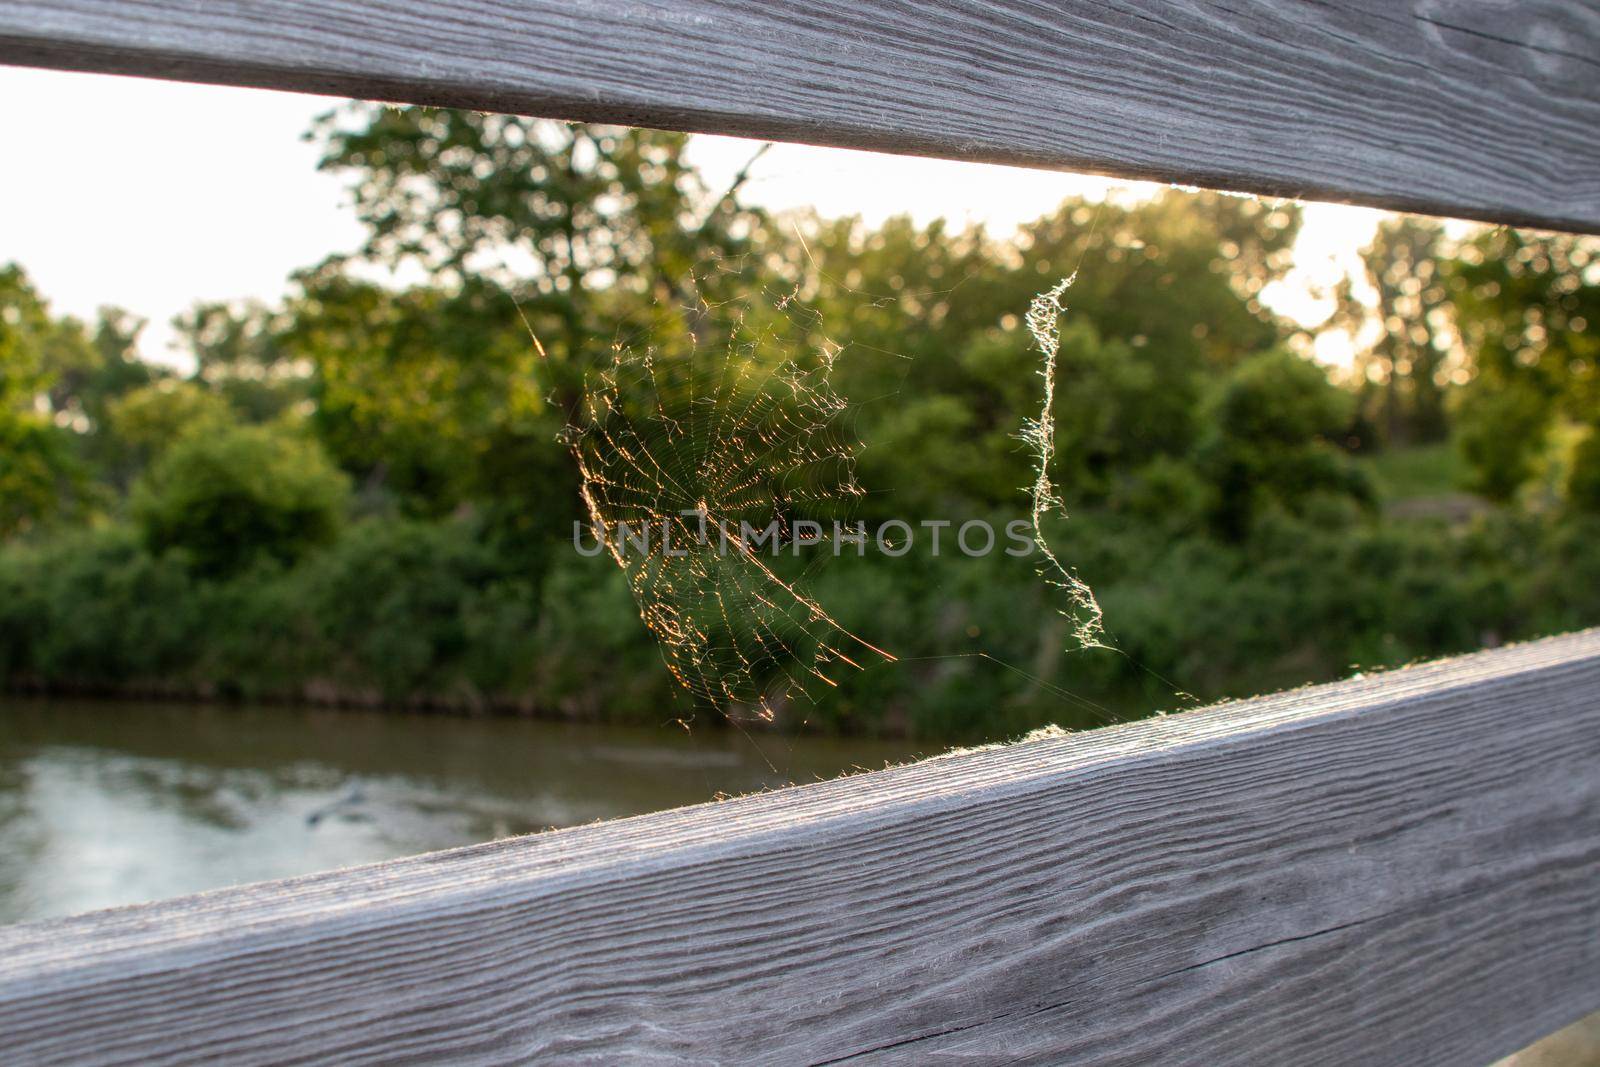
(1044, 324)
(710, 454)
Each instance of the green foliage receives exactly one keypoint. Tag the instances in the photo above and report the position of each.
(1166, 296)
(38, 472)
(1404, 367)
(1269, 445)
(1528, 307)
(363, 495)
(239, 356)
(1501, 432)
(226, 496)
(1583, 477)
(409, 387)
(1169, 494)
(94, 608)
(1276, 399)
(32, 343)
(587, 227)
(1419, 472)
(147, 420)
(422, 614)
(399, 601)
(593, 657)
(409, 612)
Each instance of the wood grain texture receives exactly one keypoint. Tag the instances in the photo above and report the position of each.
(1397, 869)
(1487, 109)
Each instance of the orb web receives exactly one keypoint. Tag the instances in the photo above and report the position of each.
(712, 454)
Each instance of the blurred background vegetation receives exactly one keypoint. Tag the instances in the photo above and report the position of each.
(360, 496)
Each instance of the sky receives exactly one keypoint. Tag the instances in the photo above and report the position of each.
(153, 195)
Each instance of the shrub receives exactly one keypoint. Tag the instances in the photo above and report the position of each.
(1269, 448)
(236, 493)
(94, 608)
(1583, 477)
(1501, 432)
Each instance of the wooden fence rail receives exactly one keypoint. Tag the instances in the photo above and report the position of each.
(1477, 108)
(1394, 869)
(1397, 869)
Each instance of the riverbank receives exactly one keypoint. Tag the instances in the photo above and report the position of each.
(424, 617)
(315, 694)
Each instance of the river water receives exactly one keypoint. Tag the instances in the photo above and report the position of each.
(103, 804)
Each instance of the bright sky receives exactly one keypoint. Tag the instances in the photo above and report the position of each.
(154, 195)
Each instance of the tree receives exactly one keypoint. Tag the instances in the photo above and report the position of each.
(1167, 292)
(587, 227)
(579, 236)
(238, 493)
(88, 371)
(1501, 430)
(39, 475)
(239, 355)
(1180, 274)
(1528, 306)
(1273, 421)
(146, 421)
(410, 386)
(1528, 310)
(1583, 478)
(36, 471)
(1178, 280)
(1408, 358)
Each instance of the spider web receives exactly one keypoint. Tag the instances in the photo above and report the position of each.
(714, 449)
(1044, 326)
(701, 450)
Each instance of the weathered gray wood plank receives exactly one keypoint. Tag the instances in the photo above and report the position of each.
(1399, 869)
(1487, 109)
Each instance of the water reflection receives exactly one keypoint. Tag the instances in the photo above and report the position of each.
(108, 804)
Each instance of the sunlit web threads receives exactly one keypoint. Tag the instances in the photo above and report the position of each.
(698, 451)
(1044, 324)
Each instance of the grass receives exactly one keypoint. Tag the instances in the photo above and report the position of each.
(1419, 472)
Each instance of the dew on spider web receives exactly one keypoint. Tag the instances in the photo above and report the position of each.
(704, 450)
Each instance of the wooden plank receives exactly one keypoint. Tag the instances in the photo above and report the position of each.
(1453, 107)
(1396, 869)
